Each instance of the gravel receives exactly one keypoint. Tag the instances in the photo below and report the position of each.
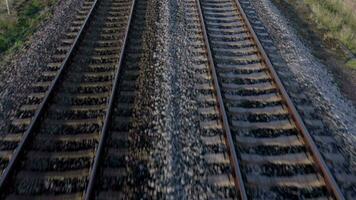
(174, 148)
(166, 110)
(169, 113)
(310, 74)
(20, 70)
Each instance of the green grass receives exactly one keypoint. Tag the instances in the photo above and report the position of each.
(351, 64)
(15, 28)
(338, 19)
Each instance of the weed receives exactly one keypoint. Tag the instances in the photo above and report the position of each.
(337, 18)
(351, 64)
(15, 29)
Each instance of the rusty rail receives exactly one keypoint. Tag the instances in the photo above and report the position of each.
(228, 137)
(331, 183)
(329, 179)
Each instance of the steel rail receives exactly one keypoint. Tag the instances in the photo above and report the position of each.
(331, 183)
(104, 131)
(239, 184)
(42, 107)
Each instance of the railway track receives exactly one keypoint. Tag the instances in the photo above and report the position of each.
(336, 156)
(218, 176)
(19, 125)
(73, 140)
(275, 154)
(67, 115)
(122, 171)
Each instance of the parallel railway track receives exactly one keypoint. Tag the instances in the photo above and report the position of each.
(72, 137)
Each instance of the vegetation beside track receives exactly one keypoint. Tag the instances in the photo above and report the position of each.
(25, 17)
(337, 18)
(351, 63)
(331, 21)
